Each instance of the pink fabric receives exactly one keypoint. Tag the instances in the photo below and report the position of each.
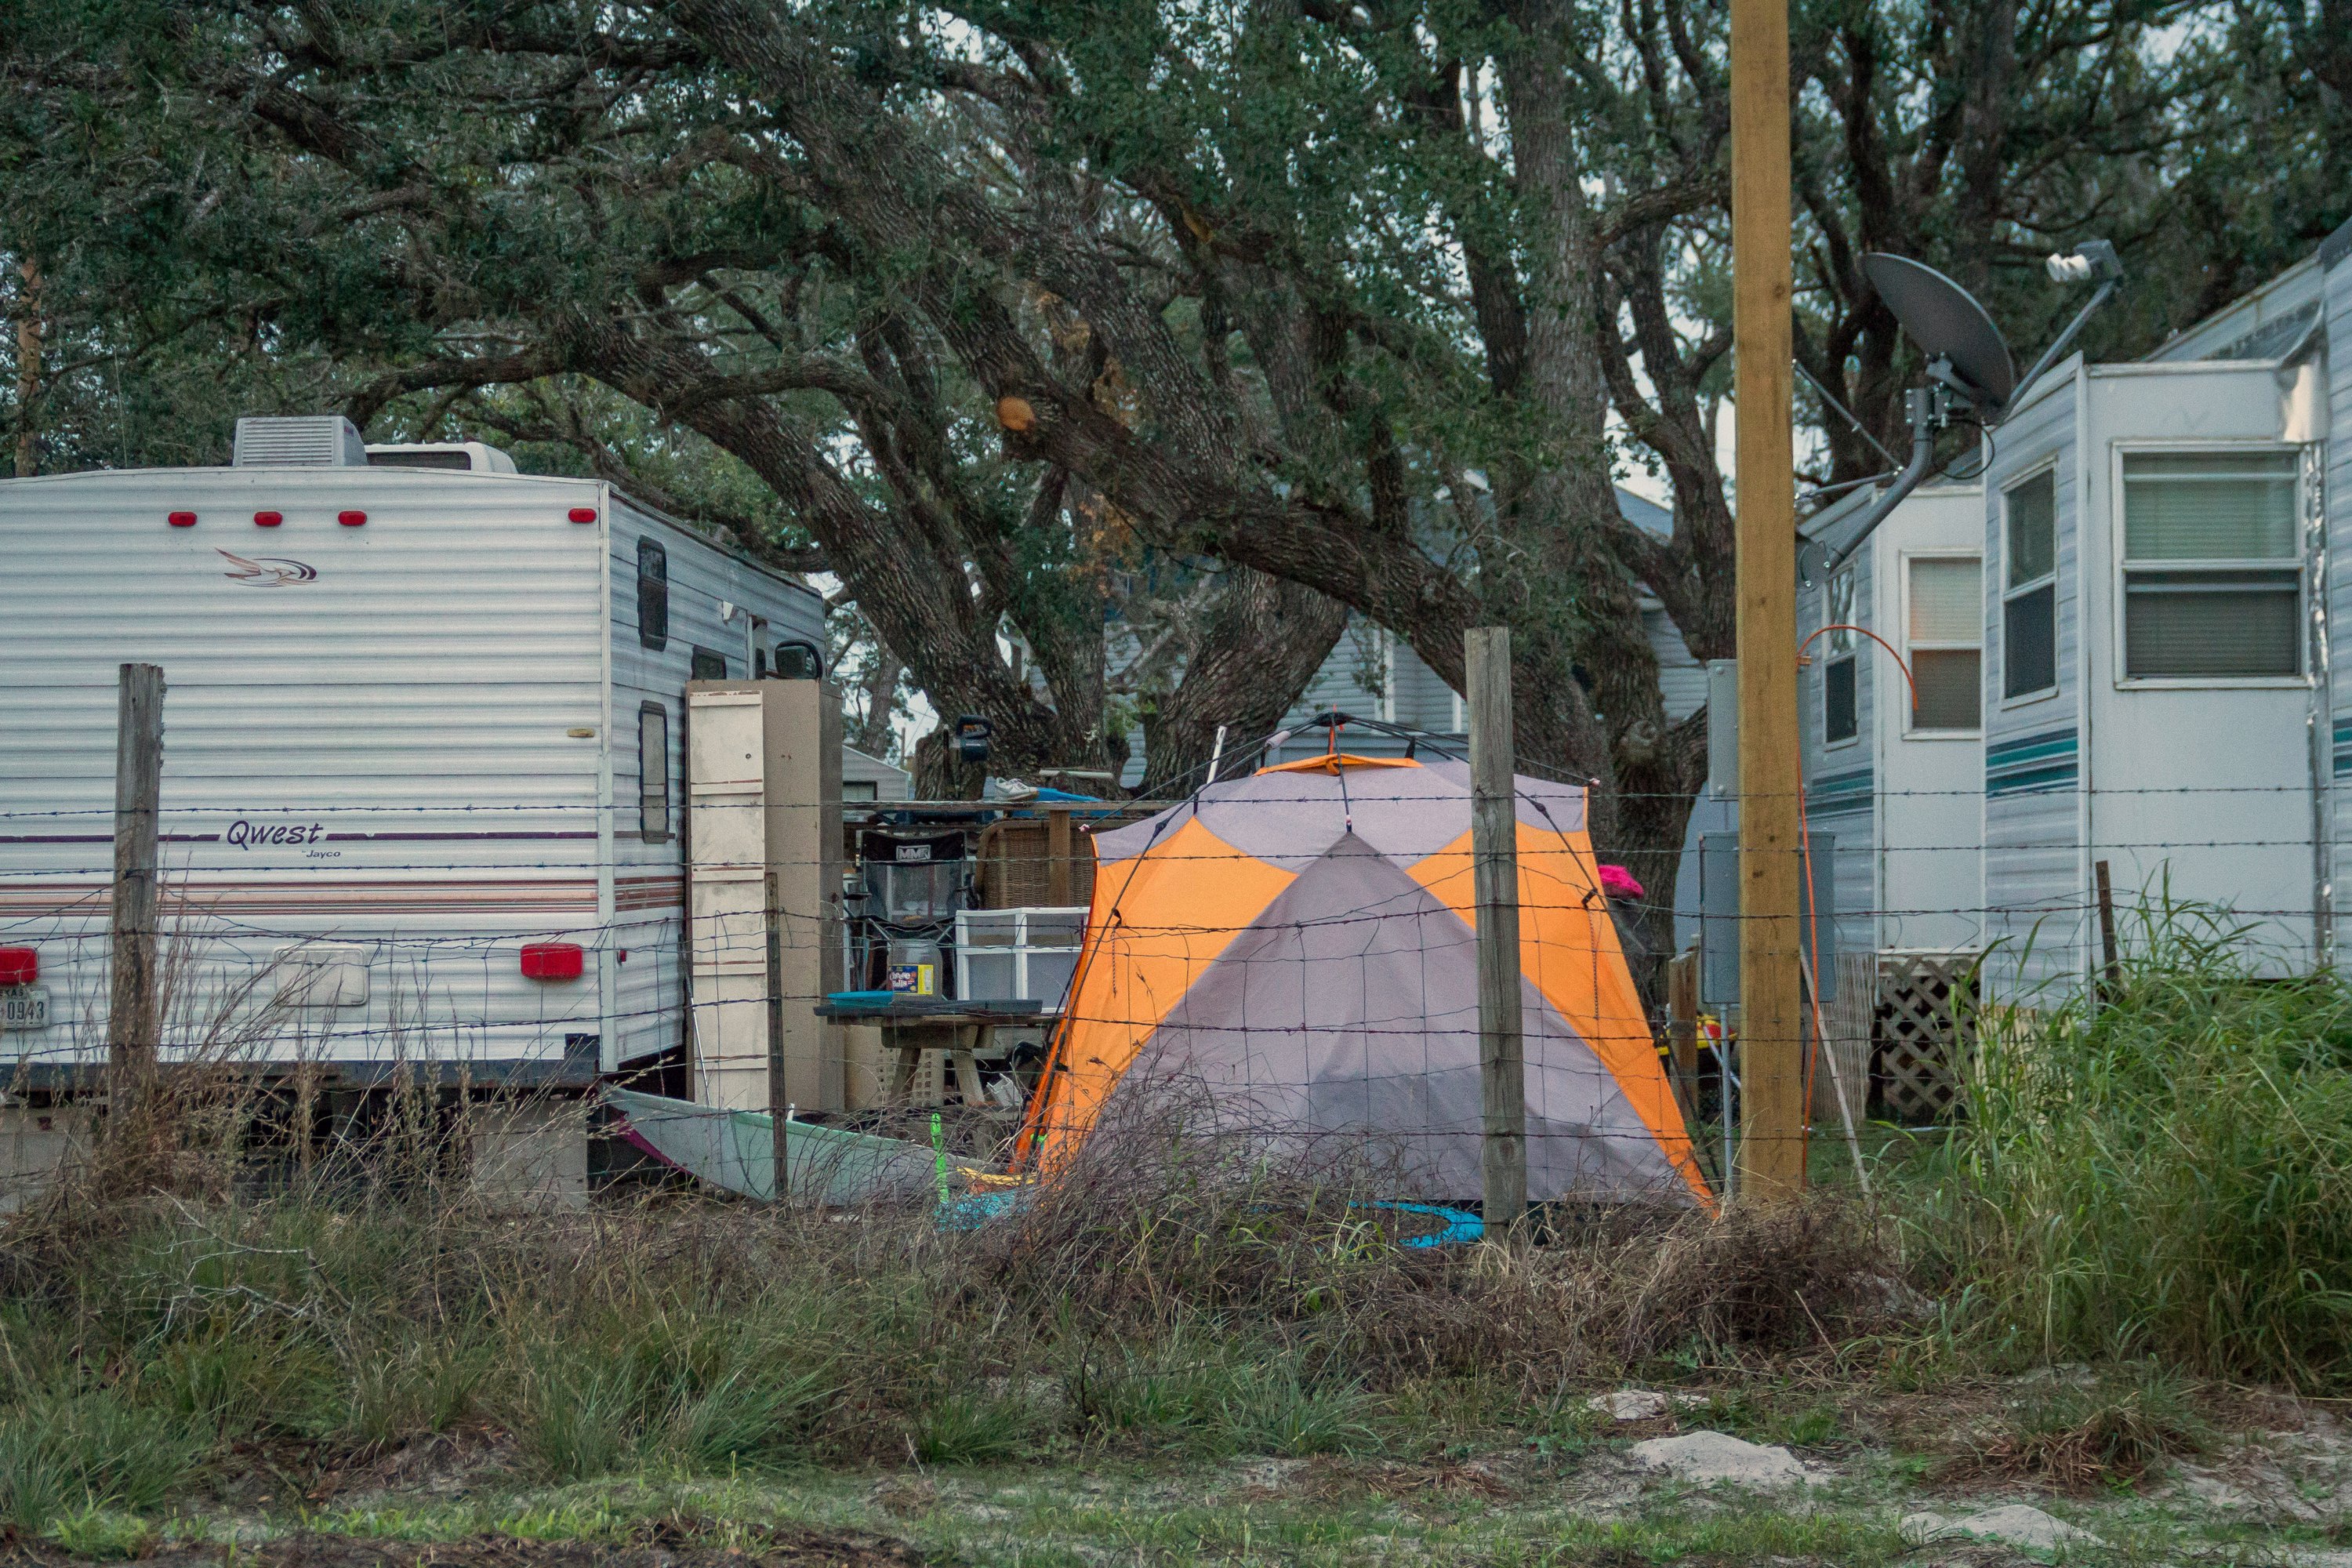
(1617, 883)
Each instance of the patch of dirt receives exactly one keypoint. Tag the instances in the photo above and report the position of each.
(1400, 1480)
(666, 1546)
(444, 1465)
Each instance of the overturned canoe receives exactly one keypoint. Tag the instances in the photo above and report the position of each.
(736, 1149)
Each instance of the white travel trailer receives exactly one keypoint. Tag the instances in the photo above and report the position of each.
(422, 759)
(1893, 751)
(2157, 631)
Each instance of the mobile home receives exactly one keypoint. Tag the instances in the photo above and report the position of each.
(422, 779)
(2157, 631)
(2156, 553)
(1891, 720)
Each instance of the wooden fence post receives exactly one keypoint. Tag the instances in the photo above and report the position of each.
(1495, 862)
(132, 1026)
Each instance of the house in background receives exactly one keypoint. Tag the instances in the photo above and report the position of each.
(865, 778)
(1372, 673)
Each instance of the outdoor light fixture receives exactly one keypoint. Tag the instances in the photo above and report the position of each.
(2094, 258)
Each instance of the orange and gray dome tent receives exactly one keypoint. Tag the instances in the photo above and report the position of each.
(1301, 942)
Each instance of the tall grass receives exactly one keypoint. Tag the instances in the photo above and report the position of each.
(2166, 1172)
(1180, 1297)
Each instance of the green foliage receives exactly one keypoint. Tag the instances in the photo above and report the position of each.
(2167, 1174)
(968, 1427)
(65, 1449)
(2078, 1432)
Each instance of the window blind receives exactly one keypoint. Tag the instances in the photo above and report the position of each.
(1947, 601)
(1950, 684)
(2211, 506)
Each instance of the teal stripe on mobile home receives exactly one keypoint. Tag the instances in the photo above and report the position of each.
(1839, 793)
(2031, 763)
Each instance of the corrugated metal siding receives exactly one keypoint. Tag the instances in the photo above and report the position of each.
(648, 992)
(399, 693)
(2032, 804)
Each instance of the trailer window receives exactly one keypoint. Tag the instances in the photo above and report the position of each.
(653, 772)
(2029, 604)
(2212, 566)
(1944, 629)
(1841, 696)
(652, 595)
(709, 664)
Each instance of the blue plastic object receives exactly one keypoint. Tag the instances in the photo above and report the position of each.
(1462, 1226)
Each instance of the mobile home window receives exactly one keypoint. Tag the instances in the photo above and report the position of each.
(709, 664)
(1944, 624)
(653, 772)
(652, 595)
(1841, 706)
(2028, 599)
(2212, 566)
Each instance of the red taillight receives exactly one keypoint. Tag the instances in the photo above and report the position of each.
(583, 514)
(267, 519)
(180, 519)
(553, 960)
(20, 966)
(350, 519)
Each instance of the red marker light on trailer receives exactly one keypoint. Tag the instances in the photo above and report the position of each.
(583, 514)
(553, 960)
(350, 519)
(267, 519)
(180, 519)
(20, 966)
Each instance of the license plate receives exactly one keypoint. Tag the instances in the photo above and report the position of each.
(25, 1007)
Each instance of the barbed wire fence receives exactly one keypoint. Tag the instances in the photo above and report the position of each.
(436, 915)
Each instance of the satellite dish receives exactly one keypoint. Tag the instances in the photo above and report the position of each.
(1947, 324)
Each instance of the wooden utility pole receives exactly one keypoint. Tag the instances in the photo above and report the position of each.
(1494, 863)
(1771, 1036)
(130, 1022)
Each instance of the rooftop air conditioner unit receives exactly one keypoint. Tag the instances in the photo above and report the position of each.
(308, 441)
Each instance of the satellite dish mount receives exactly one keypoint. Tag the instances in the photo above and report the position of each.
(1968, 364)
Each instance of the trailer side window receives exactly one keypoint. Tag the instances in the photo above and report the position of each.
(652, 595)
(1945, 630)
(709, 664)
(2212, 566)
(653, 772)
(2029, 604)
(1841, 678)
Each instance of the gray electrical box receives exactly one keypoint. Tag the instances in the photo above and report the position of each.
(1718, 916)
(1723, 728)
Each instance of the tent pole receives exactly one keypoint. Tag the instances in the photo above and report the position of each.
(1495, 860)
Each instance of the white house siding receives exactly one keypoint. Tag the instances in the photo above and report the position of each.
(2035, 880)
(1840, 782)
(401, 712)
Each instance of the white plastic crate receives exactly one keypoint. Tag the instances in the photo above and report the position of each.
(1018, 955)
